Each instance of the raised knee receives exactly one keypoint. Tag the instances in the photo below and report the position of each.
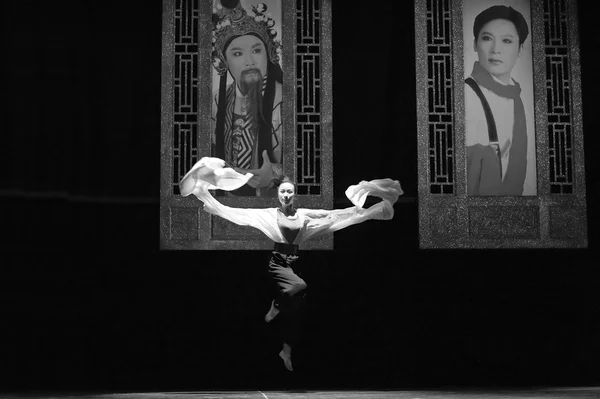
(301, 286)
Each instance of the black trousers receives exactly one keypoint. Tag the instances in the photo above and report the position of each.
(290, 296)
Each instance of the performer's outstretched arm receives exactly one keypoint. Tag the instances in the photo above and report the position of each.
(213, 174)
(329, 221)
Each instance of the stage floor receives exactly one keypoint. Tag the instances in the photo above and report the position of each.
(546, 393)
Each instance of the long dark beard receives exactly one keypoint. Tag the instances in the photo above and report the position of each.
(251, 86)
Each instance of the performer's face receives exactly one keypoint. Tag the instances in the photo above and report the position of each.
(247, 59)
(286, 193)
(498, 49)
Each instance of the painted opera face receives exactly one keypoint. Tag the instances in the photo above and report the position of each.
(247, 59)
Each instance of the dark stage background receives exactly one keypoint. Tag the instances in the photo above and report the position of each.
(88, 302)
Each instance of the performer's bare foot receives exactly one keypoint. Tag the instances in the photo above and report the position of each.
(286, 355)
(272, 312)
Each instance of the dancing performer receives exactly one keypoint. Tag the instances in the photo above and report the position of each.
(287, 226)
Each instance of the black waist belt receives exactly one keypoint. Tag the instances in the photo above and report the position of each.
(288, 249)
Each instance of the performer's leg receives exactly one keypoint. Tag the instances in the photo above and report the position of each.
(292, 298)
(288, 299)
(274, 311)
(292, 324)
(290, 288)
(286, 355)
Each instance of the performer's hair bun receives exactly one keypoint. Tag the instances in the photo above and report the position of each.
(279, 180)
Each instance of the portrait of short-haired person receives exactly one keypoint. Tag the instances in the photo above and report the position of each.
(246, 113)
(500, 146)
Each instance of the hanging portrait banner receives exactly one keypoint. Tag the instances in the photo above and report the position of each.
(500, 139)
(272, 118)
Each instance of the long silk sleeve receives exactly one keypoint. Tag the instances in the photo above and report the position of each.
(211, 174)
(329, 221)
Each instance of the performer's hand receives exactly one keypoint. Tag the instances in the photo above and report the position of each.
(263, 176)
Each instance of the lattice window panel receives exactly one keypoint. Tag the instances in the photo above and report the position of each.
(558, 87)
(308, 92)
(185, 90)
(308, 82)
(440, 94)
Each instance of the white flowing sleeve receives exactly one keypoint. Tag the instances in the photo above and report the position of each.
(213, 174)
(329, 221)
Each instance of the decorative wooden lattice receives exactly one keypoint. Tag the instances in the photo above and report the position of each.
(187, 96)
(185, 90)
(448, 217)
(440, 93)
(308, 88)
(558, 87)
(308, 101)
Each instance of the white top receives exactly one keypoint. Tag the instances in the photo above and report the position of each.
(211, 173)
(289, 225)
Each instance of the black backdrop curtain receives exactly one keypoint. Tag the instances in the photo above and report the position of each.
(90, 303)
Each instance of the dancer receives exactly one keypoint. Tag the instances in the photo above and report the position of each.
(287, 226)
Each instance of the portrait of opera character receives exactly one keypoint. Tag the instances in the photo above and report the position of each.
(247, 91)
(499, 130)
